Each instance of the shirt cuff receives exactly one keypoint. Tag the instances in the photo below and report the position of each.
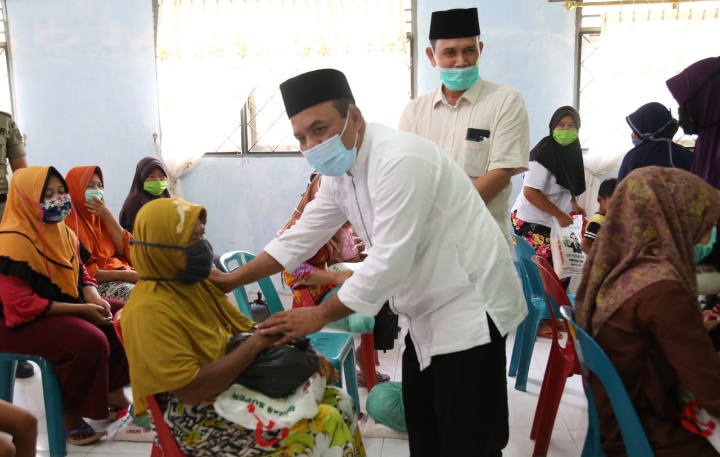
(277, 251)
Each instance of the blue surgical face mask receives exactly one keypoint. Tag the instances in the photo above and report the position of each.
(56, 209)
(330, 157)
(636, 141)
(458, 79)
(704, 250)
(93, 193)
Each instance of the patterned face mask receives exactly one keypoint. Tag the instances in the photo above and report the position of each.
(56, 209)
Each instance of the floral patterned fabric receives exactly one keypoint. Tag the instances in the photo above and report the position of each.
(656, 217)
(333, 432)
(297, 277)
(536, 234)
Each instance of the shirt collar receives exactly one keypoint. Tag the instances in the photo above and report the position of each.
(471, 95)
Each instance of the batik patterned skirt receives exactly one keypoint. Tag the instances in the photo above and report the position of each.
(201, 432)
(117, 290)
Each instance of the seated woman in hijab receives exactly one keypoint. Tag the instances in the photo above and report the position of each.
(106, 243)
(312, 274)
(638, 298)
(150, 182)
(176, 327)
(653, 128)
(697, 91)
(51, 307)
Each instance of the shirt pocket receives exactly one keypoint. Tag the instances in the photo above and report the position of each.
(477, 154)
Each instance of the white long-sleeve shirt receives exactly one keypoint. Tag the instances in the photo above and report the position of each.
(434, 246)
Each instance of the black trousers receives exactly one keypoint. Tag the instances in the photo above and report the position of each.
(458, 405)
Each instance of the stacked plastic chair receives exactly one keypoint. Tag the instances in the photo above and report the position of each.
(562, 361)
(537, 311)
(338, 348)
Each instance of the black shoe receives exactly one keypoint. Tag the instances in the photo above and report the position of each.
(24, 370)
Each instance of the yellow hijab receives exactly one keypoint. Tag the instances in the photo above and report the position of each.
(172, 329)
(49, 250)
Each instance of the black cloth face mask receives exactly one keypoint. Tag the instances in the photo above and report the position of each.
(199, 261)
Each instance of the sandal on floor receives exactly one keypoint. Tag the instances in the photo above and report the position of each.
(117, 413)
(83, 435)
(545, 331)
(379, 377)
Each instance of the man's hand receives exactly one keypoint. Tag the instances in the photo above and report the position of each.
(292, 324)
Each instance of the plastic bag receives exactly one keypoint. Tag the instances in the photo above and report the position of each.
(255, 411)
(259, 309)
(277, 372)
(568, 258)
(698, 421)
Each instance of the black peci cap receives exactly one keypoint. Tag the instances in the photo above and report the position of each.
(312, 88)
(456, 23)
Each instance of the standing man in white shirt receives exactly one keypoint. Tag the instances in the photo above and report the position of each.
(482, 125)
(412, 206)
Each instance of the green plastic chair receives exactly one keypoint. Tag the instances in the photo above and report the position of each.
(594, 360)
(338, 348)
(52, 395)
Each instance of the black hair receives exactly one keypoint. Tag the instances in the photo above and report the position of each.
(607, 188)
(342, 105)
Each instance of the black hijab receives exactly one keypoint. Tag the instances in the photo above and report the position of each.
(138, 196)
(654, 125)
(564, 162)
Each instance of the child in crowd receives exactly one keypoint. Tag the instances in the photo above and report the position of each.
(604, 198)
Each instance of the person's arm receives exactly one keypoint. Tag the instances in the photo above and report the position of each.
(217, 376)
(18, 163)
(117, 233)
(674, 319)
(298, 322)
(577, 209)
(493, 182)
(510, 150)
(541, 202)
(130, 276)
(586, 244)
(260, 267)
(327, 277)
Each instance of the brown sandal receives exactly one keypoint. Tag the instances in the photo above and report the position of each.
(83, 435)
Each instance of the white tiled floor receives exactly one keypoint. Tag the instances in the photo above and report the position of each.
(567, 439)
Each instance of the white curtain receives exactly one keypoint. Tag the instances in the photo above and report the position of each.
(637, 52)
(212, 54)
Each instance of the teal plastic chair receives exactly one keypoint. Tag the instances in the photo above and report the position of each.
(594, 360)
(537, 311)
(338, 348)
(52, 395)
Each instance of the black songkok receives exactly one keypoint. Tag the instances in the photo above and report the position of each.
(457, 23)
(312, 88)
